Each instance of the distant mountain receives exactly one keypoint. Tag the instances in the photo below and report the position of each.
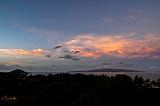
(108, 70)
(18, 72)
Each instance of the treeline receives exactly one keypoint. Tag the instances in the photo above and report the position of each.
(77, 90)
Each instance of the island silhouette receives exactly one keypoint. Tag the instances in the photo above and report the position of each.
(108, 70)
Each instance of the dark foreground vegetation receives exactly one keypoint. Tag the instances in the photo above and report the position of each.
(64, 89)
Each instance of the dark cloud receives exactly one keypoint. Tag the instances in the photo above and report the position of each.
(70, 57)
(66, 51)
(75, 59)
(48, 55)
(57, 47)
(76, 52)
(67, 57)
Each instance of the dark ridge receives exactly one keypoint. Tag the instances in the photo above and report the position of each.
(108, 70)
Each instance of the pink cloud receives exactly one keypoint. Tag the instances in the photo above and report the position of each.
(17, 52)
(120, 45)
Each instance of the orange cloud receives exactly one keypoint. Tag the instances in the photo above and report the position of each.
(90, 54)
(122, 45)
(35, 52)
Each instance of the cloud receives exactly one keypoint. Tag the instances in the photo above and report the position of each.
(19, 52)
(67, 57)
(121, 45)
(70, 57)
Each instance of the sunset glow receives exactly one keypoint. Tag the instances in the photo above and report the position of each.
(123, 46)
(35, 52)
(62, 35)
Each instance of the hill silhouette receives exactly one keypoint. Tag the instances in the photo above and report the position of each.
(108, 70)
(18, 72)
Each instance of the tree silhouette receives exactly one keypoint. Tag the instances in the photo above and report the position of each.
(77, 89)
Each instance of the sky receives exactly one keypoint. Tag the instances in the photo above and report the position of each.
(69, 35)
